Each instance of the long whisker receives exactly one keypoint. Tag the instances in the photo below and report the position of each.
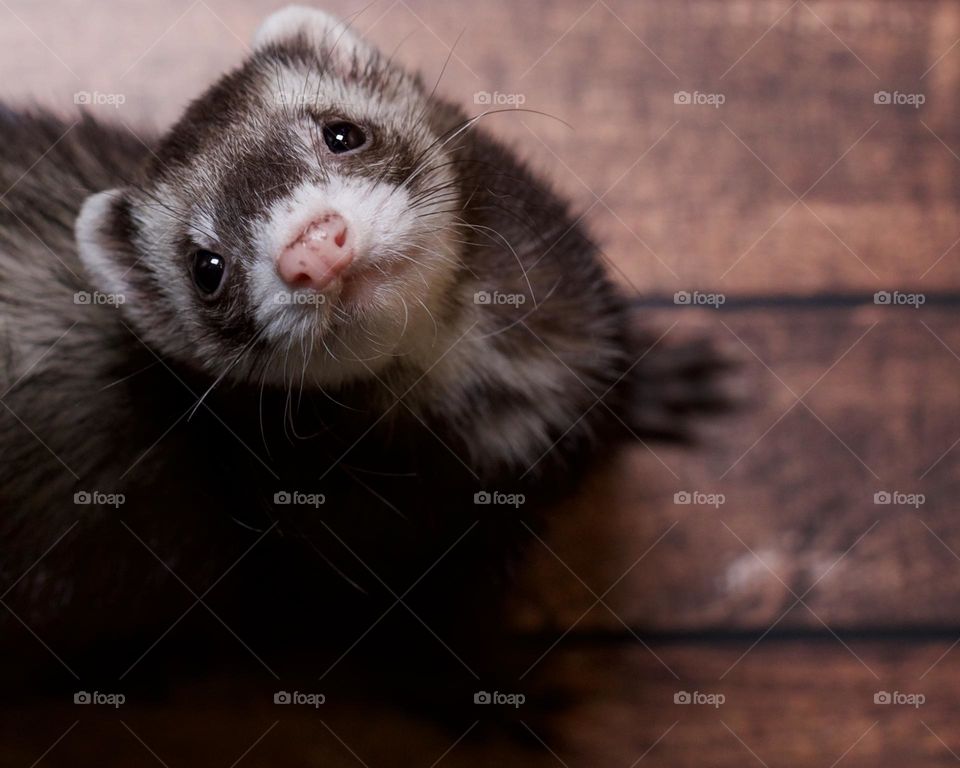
(243, 350)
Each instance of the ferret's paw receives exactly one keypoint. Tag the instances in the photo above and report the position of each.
(681, 384)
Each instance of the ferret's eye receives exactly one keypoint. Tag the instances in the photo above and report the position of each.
(208, 269)
(342, 137)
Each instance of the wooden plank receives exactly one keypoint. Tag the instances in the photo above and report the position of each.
(788, 704)
(799, 516)
(797, 703)
(699, 210)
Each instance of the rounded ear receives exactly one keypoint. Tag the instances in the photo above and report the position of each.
(103, 234)
(317, 27)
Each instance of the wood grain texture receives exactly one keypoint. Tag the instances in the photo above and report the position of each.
(799, 516)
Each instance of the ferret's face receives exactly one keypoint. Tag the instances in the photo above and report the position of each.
(298, 222)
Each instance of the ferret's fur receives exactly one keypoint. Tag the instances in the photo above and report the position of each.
(397, 412)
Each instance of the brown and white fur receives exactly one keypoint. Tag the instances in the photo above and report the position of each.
(398, 396)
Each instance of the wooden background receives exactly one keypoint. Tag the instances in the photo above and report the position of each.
(798, 599)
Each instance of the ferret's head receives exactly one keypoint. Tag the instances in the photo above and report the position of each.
(298, 219)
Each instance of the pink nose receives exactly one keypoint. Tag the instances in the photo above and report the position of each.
(322, 251)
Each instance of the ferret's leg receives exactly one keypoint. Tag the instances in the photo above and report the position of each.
(677, 384)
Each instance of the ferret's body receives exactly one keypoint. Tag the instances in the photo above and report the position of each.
(499, 363)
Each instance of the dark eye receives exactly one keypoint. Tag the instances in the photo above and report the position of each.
(342, 137)
(208, 269)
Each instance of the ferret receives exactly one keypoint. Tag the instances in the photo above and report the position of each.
(325, 335)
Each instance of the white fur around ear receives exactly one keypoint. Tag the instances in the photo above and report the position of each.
(318, 26)
(97, 243)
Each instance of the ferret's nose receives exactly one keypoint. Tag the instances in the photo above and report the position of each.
(322, 251)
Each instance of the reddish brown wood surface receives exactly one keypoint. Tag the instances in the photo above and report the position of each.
(798, 518)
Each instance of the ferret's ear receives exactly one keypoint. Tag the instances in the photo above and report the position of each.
(318, 27)
(102, 231)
